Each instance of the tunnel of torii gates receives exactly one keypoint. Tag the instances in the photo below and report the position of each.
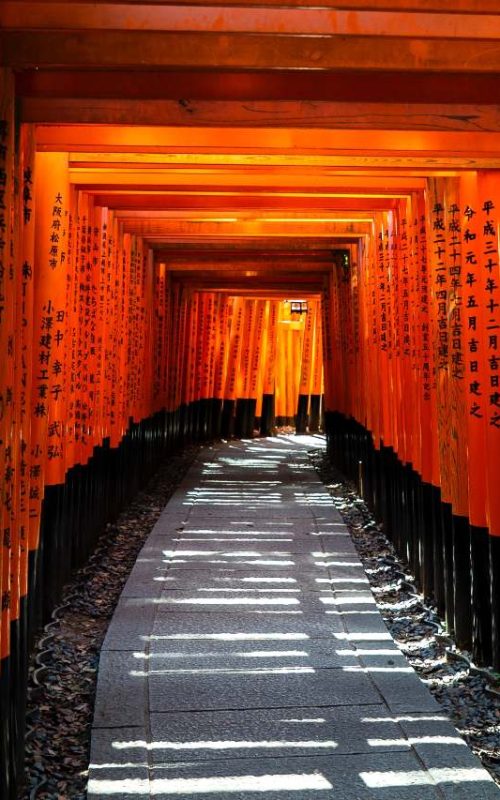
(313, 234)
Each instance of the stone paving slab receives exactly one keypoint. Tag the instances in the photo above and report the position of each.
(242, 579)
(116, 766)
(247, 657)
(263, 527)
(146, 579)
(217, 589)
(338, 778)
(249, 653)
(384, 776)
(281, 503)
(295, 731)
(131, 626)
(192, 558)
(335, 543)
(230, 602)
(366, 623)
(349, 777)
(167, 623)
(206, 511)
(173, 519)
(244, 539)
(308, 535)
(123, 702)
(189, 560)
(235, 545)
(256, 687)
(397, 682)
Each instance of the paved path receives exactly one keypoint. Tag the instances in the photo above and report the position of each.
(246, 658)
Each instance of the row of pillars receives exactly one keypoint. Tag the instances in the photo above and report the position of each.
(456, 565)
(214, 419)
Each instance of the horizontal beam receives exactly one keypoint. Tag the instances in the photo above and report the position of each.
(264, 246)
(184, 86)
(458, 7)
(180, 50)
(277, 114)
(245, 257)
(265, 140)
(292, 164)
(227, 202)
(254, 285)
(174, 229)
(279, 293)
(244, 180)
(236, 265)
(429, 163)
(265, 216)
(85, 16)
(247, 163)
(257, 276)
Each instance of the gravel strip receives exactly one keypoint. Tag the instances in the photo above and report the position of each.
(63, 670)
(471, 698)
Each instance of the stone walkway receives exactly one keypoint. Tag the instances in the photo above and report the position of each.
(247, 658)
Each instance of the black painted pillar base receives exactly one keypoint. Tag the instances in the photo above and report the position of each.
(49, 532)
(388, 489)
(19, 656)
(315, 413)
(447, 543)
(7, 788)
(227, 419)
(481, 595)
(245, 418)
(34, 593)
(216, 418)
(267, 421)
(205, 418)
(191, 422)
(437, 551)
(182, 421)
(365, 469)
(416, 525)
(377, 483)
(196, 421)
(426, 558)
(240, 422)
(331, 436)
(402, 508)
(494, 543)
(462, 603)
(301, 417)
(252, 405)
